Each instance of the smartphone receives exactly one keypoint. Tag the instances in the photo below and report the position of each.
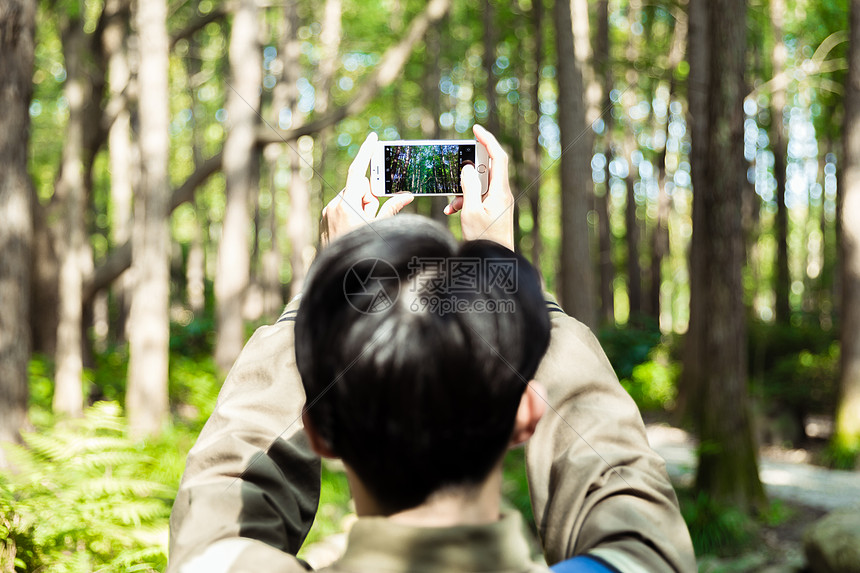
(426, 166)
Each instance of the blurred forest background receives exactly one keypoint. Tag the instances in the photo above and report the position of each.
(686, 174)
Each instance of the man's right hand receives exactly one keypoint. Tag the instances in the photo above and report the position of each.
(490, 216)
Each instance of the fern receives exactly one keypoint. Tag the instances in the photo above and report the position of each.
(84, 499)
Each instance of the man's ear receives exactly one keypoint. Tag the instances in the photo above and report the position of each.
(318, 443)
(532, 406)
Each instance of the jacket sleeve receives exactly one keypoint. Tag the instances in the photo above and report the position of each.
(596, 485)
(251, 484)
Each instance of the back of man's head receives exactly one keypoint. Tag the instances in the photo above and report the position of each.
(414, 351)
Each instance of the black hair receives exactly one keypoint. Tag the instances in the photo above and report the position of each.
(413, 398)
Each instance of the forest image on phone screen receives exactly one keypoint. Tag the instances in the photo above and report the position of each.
(426, 169)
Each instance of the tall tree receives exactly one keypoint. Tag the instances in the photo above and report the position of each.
(119, 147)
(17, 30)
(70, 239)
(698, 89)
(299, 228)
(149, 329)
(604, 236)
(490, 41)
(576, 273)
(331, 35)
(631, 224)
(728, 465)
(660, 235)
(234, 264)
(780, 155)
(430, 127)
(847, 435)
(531, 142)
(631, 228)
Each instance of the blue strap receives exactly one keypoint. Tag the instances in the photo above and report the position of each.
(582, 564)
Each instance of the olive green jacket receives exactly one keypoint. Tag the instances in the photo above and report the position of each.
(251, 485)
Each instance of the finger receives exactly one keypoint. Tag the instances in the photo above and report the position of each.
(395, 204)
(454, 206)
(494, 148)
(359, 165)
(471, 184)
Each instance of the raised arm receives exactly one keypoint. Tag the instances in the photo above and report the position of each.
(596, 485)
(251, 484)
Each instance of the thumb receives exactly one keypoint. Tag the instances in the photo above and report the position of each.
(471, 184)
(394, 205)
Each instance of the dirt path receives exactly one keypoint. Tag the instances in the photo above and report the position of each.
(794, 481)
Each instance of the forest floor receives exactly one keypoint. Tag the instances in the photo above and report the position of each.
(806, 492)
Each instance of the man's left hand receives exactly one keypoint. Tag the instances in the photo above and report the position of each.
(356, 205)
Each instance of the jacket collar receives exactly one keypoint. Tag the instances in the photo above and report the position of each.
(380, 545)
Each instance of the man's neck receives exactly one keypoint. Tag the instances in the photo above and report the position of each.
(474, 506)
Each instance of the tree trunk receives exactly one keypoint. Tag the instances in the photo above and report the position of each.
(576, 274)
(330, 36)
(631, 232)
(149, 328)
(17, 20)
(120, 155)
(604, 235)
(593, 91)
(44, 283)
(782, 284)
(299, 228)
(698, 85)
(71, 236)
(488, 11)
(431, 128)
(195, 265)
(728, 465)
(234, 265)
(331, 33)
(631, 225)
(660, 235)
(847, 435)
(270, 262)
(195, 269)
(532, 147)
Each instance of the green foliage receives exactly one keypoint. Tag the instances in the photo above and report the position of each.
(193, 386)
(643, 363)
(197, 338)
(109, 375)
(715, 529)
(777, 514)
(335, 504)
(41, 376)
(842, 453)
(515, 486)
(83, 499)
(795, 367)
(770, 342)
(805, 382)
(653, 385)
(630, 345)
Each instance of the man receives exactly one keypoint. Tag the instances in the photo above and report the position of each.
(420, 405)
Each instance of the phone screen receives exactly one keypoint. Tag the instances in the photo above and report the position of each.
(426, 169)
